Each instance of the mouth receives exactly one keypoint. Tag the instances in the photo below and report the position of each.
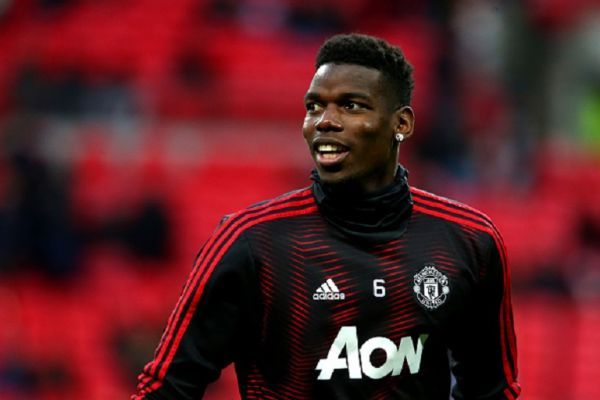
(330, 154)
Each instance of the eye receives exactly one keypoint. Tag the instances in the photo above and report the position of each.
(354, 106)
(313, 107)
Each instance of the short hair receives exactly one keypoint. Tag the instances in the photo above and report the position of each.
(371, 52)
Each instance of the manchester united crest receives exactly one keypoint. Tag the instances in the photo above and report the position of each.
(431, 287)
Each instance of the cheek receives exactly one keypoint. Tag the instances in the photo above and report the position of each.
(307, 133)
(368, 127)
(371, 132)
(378, 142)
(307, 129)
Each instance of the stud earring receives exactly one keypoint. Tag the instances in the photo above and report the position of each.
(399, 137)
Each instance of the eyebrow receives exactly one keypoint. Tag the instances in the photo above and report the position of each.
(346, 95)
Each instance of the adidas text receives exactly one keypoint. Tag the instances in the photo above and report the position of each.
(329, 296)
(328, 291)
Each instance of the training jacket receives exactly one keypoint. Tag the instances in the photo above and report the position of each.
(325, 294)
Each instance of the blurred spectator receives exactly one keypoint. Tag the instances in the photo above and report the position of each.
(21, 378)
(109, 97)
(29, 91)
(145, 232)
(69, 94)
(18, 376)
(4, 8)
(191, 69)
(51, 5)
(480, 28)
(446, 146)
(583, 265)
(574, 81)
(262, 16)
(222, 9)
(37, 228)
(35, 92)
(315, 17)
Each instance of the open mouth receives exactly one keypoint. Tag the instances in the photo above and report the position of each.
(330, 154)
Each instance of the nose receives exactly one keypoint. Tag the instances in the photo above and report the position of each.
(329, 120)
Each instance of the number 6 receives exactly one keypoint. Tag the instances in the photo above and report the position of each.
(378, 288)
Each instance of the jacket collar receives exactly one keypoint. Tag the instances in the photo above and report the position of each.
(372, 218)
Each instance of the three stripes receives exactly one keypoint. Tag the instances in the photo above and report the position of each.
(297, 203)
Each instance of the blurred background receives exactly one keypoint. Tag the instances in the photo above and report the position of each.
(129, 127)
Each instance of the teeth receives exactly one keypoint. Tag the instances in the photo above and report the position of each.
(328, 148)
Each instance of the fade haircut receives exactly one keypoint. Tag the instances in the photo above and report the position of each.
(371, 52)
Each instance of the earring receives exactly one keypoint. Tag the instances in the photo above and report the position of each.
(399, 137)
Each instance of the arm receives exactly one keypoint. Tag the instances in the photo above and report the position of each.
(203, 334)
(484, 353)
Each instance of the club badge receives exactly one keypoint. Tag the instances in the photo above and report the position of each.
(431, 287)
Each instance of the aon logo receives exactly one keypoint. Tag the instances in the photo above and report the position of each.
(358, 360)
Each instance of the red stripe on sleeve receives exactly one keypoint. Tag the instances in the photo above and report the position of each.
(206, 262)
(467, 209)
(208, 251)
(213, 242)
(468, 214)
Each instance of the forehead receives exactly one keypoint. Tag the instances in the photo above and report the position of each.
(344, 78)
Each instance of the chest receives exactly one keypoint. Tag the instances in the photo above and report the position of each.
(423, 281)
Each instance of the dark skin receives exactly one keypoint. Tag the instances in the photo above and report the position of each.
(350, 126)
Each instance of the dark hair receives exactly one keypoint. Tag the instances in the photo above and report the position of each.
(371, 52)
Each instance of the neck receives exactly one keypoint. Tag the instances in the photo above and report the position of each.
(365, 186)
(374, 215)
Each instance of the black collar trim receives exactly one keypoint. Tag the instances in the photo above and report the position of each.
(376, 217)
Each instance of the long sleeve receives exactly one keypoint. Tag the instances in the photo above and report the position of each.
(484, 355)
(204, 331)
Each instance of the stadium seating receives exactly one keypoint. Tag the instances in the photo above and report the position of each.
(68, 335)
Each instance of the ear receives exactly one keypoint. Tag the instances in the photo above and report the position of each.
(404, 121)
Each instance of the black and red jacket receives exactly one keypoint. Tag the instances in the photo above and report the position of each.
(323, 294)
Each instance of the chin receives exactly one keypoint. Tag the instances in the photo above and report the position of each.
(335, 181)
(338, 177)
(332, 175)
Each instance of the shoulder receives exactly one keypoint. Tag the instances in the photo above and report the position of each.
(230, 240)
(288, 205)
(472, 222)
(452, 211)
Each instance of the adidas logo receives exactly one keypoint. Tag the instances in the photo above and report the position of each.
(328, 291)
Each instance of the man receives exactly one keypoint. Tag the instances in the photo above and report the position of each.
(358, 287)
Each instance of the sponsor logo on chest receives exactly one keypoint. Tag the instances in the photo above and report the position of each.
(346, 355)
